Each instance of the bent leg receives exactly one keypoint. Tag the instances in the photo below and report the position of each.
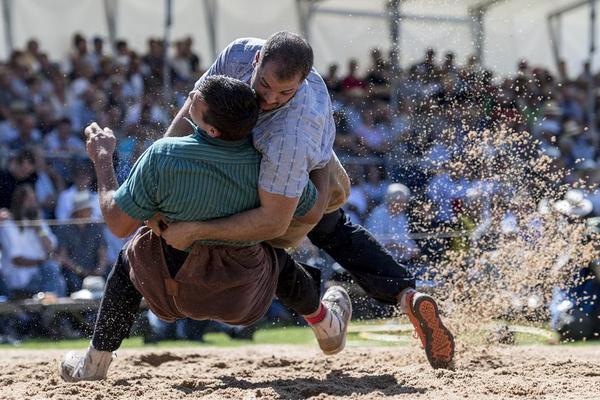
(298, 285)
(359, 253)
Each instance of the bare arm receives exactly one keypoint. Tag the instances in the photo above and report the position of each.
(179, 126)
(100, 146)
(268, 221)
(26, 262)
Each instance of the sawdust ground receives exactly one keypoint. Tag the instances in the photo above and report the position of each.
(300, 372)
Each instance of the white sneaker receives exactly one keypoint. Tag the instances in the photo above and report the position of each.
(331, 332)
(91, 366)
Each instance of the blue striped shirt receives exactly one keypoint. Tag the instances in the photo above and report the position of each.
(293, 139)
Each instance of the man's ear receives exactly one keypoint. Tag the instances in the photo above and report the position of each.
(256, 58)
(213, 132)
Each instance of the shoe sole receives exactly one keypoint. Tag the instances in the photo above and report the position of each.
(427, 313)
(346, 323)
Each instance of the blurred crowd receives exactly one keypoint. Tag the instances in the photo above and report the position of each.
(400, 131)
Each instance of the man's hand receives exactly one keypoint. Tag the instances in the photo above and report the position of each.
(100, 143)
(5, 214)
(181, 235)
(157, 224)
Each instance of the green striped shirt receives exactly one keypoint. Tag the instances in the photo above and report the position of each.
(197, 178)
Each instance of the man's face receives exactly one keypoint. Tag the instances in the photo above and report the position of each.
(397, 205)
(23, 169)
(64, 130)
(82, 180)
(272, 93)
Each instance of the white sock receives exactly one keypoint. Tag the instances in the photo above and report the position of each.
(402, 297)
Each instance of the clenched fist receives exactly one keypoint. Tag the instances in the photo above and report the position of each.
(100, 143)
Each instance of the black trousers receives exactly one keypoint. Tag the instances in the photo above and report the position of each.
(359, 253)
(297, 287)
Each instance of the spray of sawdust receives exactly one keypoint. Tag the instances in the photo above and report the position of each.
(519, 248)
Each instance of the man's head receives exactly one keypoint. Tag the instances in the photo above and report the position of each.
(279, 68)
(24, 204)
(224, 107)
(397, 197)
(63, 128)
(23, 165)
(83, 204)
(81, 174)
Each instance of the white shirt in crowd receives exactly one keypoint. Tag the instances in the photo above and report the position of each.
(26, 243)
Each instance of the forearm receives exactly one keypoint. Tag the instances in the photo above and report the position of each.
(26, 262)
(266, 222)
(46, 242)
(107, 185)
(251, 225)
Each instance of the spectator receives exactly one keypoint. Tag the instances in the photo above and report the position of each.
(21, 169)
(29, 166)
(377, 77)
(352, 81)
(27, 133)
(185, 63)
(123, 53)
(85, 109)
(332, 80)
(97, 53)
(26, 263)
(81, 173)
(390, 224)
(63, 140)
(81, 247)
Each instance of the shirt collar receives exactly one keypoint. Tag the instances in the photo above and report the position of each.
(199, 133)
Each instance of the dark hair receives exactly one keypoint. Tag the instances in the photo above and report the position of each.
(291, 53)
(232, 106)
(25, 154)
(18, 199)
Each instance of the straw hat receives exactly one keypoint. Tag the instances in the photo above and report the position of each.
(574, 204)
(92, 289)
(397, 191)
(571, 128)
(551, 108)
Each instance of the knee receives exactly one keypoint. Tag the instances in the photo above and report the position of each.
(327, 225)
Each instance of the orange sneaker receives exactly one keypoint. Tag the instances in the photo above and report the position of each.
(437, 340)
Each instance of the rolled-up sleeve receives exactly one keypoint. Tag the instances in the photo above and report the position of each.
(137, 196)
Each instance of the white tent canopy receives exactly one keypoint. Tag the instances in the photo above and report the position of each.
(337, 29)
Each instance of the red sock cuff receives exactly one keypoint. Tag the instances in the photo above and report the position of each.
(319, 317)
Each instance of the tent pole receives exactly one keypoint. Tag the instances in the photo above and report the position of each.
(590, 77)
(210, 10)
(110, 13)
(394, 25)
(167, 45)
(304, 9)
(7, 11)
